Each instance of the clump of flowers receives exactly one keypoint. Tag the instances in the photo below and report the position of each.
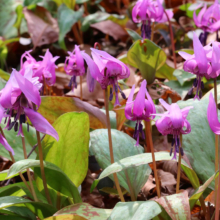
(174, 122)
(139, 109)
(147, 11)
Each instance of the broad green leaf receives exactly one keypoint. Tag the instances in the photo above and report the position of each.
(72, 149)
(123, 146)
(133, 34)
(199, 144)
(183, 76)
(42, 210)
(81, 1)
(135, 210)
(16, 142)
(68, 3)
(185, 7)
(147, 57)
(51, 109)
(66, 19)
(196, 195)
(145, 158)
(165, 72)
(11, 217)
(20, 15)
(56, 178)
(176, 206)
(66, 217)
(85, 210)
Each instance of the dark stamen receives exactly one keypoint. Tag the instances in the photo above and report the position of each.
(190, 91)
(111, 95)
(171, 151)
(135, 131)
(181, 151)
(22, 118)
(16, 127)
(195, 82)
(202, 85)
(5, 120)
(173, 142)
(200, 94)
(122, 94)
(11, 126)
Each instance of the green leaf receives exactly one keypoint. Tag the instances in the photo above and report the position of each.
(123, 146)
(165, 72)
(65, 217)
(183, 76)
(196, 195)
(176, 206)
(68, 3)
(135, 210)
(85, 210)
(66, 19)
(56, 178)
(133, 34)
(199, 144)
(16, 142)
(147, 57)
(42, 210)
(72, 149)
(145, 158)
(51, 109)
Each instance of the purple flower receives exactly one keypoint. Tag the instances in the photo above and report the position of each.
(44, 69)
(174, 122)
(197, 64)
(212, 116)
(6, 145)
(18, 98)
(110, 71)
(139, 109)
(147, 11)
(74, 66)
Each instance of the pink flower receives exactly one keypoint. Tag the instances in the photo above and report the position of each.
(212, 116)
(74, 66)
(147, 11)
(139, 109)
(110, 71)
(174, 122)
(18, 97)
(197, 64)
(6, 145)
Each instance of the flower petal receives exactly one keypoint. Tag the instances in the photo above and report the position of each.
(129, 105)
(40, 123)
(176, 116)
(6, 145)
(139, 101)
(165, 105)
(30, 91)
(212, 116)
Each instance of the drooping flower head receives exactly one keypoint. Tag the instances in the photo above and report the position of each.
(139, 109)
(208, 20)
(147, 11)
(44, 69)
(110, 71)
(74, 66)
(197, 64)
(212, 115)
(174, 122)
(18, 98)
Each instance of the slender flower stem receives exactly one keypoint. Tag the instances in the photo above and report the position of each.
(130, 187)
(147, 149)
(40, 150)
(28, 171)
(13, 160)
(179, 167)
(152, 31)
(110, 146)
(81, 91)
(149, 138)
(172, 39)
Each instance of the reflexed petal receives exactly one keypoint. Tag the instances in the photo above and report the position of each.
(139, 101)
(30, 91)
(200, 55)
(163, 125)
(91, 82)
(187, 129)
(212, 116)
(6, 145)
(79, 58)
(176, 116)
(185, 55)
(40, 123)
(185, 111)
(165, 105)
(129, 105)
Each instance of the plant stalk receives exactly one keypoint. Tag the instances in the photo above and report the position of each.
(150, 141)
(13, 160)
(172, 39)
(40, 150)
(179, 167)
(130, 186)
(110, 145)
(28, 171)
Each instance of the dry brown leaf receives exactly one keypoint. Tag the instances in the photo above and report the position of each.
(166, 178)
(43, 28)
(111, 28)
